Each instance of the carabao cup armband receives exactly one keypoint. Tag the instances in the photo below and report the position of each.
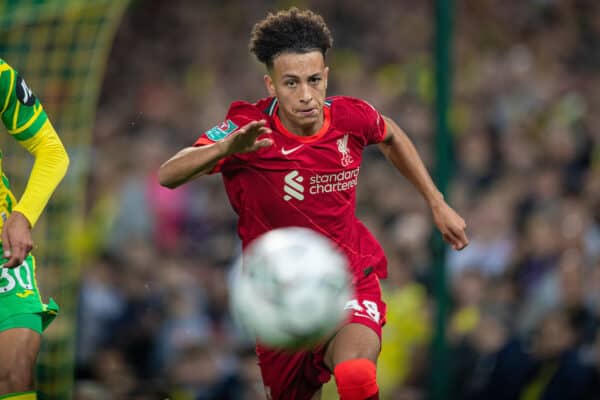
(221, 131)
(239, 114)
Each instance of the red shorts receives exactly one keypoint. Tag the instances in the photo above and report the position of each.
(298, 376)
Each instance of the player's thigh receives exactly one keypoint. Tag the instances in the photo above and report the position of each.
(361, 336)
(352, 341)
(19, 348)
(292, 375)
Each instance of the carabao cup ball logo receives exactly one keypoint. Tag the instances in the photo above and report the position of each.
(221, 131)
(24, 94)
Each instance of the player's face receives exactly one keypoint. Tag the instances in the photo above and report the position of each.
(299, 81)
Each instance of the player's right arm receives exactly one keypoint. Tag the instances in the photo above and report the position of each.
(192, 162)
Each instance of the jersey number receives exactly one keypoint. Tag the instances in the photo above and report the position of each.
(23, 279)
(368, 307)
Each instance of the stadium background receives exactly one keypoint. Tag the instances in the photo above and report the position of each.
(150, 265)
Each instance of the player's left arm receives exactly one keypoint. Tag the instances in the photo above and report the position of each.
(399, 149)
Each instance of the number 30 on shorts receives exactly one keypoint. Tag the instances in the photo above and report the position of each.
(20, 275)
(368, 309)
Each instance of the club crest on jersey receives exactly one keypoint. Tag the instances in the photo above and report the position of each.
(344, 151)
(221, 131)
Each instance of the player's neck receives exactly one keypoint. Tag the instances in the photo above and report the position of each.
(301, 130)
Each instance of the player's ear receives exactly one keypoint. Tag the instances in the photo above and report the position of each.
(325, 75)
(269, 84)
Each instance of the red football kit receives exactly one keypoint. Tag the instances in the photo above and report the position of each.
(307, 181)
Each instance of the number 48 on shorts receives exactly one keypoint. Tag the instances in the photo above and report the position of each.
(364, 308)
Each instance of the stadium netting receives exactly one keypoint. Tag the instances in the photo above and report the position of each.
(60, 47)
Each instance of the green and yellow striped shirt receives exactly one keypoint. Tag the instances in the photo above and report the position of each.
(23, 116)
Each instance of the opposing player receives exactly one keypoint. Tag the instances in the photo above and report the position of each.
(293, 159)
(23, 316)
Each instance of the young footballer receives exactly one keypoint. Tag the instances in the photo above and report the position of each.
(23, 316)
(293, 159)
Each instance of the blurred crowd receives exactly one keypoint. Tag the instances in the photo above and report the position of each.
(525, 295)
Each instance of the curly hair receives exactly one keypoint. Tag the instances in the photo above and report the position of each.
(293, 30)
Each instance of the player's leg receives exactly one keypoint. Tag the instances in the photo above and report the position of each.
(352, 353)
(23, 317)
(19, 348)
(292, 376)
(352, 356)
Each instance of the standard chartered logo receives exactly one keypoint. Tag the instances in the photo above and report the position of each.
(293, 186)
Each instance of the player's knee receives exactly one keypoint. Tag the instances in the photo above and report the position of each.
(356, 379)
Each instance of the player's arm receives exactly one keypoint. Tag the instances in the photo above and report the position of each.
(25, 119)
(399, 149)
(192, 162)
(50, 166)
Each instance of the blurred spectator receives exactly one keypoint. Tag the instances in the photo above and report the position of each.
(563, 288)
(101, 305)
(489, 363)
(406, 333)
(557, 371)
(468, 295)
(202, 373)
(491, 238)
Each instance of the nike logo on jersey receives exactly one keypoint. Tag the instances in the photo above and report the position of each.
(285, 152)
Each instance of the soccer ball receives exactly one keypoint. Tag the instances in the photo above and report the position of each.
(290, 288)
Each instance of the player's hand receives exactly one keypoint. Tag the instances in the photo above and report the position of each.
(16, 239)
(244, 140)
(451, 225)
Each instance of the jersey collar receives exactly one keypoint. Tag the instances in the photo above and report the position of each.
(272, 111)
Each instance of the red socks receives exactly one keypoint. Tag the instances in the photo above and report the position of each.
(357, 380)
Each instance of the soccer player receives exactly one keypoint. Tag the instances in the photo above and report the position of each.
(23, 316)
(293, 159)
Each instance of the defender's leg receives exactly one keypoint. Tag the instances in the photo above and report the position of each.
(19, 348)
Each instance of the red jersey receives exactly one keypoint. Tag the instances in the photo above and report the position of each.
(307, 181)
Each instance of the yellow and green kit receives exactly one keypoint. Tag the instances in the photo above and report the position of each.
(26, 121)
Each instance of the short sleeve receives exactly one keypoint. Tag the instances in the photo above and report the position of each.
(21, 111)
(240, 113)
(374, 124)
